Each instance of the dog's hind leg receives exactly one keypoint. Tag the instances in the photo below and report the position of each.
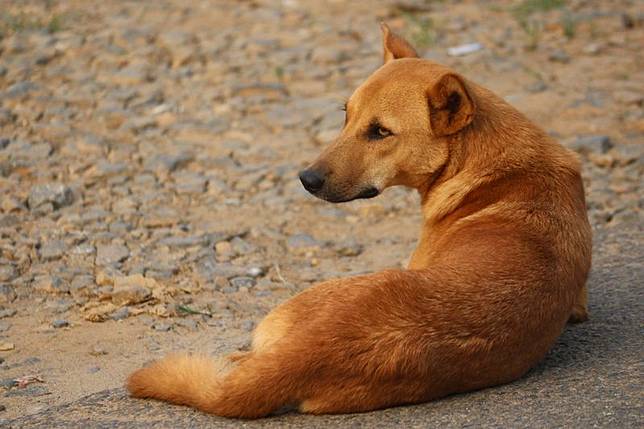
(580, 309)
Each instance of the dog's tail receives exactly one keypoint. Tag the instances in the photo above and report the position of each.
(251, 388)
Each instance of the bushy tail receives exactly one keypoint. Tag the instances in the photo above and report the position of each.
(250, 389)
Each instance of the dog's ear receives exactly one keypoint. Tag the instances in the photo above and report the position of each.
(450, 105)
(394, 46)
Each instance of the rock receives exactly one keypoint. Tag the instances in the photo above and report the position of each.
(181, 242)
(133, 289)
(111, 254)
(538, 86)
(592, 49)
(59, 323)
(7, 294)
(590, 144)
(239, 282)
(56, 194)
(120, 314)
(53, 249)
(349, 249)
(256, 271)
(465, 49)
(51, 284)
(301, 241)
(7, 312)
(559, 56)
(4, 326)
(167, 162)
(6, 346)
(8, 272)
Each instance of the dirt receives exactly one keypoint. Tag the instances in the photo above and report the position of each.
(157, 144)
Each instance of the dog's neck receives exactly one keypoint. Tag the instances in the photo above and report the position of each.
(482, 153)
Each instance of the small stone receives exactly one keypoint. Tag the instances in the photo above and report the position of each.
(559, 56)
(4, 326)
(7, 312)
(6, 346)
(301, 241)
(239, 282)
(248, 325)
(256, 271)
(56, 194)
(133, 289)
(538, 86)
(51, 284)
(7, 294)
(349, 249)
(59, 323)
(592, 49)
(120, 314)
(53, 249)
(224, 249)
(93, 369)
(111, 254)
(8, 272)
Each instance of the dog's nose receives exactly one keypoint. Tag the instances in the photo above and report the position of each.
(312, 180)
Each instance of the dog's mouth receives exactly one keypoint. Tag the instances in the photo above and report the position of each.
(366, 193)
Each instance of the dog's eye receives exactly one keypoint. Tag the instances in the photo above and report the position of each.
(378, 132)
(384, 132)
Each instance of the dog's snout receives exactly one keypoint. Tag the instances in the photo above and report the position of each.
(312, 180)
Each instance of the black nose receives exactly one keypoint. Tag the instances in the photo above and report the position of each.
(312, 180)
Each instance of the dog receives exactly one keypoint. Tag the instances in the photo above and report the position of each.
(501, 264)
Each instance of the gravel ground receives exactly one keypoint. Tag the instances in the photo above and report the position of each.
(149, 199)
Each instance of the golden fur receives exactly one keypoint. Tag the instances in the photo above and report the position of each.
(501, 265)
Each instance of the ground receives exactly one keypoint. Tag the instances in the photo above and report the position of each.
(149, 199)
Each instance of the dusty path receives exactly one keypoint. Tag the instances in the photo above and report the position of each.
(149, 199)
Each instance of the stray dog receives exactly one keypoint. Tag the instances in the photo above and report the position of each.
(501, 265)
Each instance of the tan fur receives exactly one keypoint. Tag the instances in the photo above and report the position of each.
(500, 267)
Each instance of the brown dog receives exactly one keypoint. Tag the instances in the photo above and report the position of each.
(501, 265)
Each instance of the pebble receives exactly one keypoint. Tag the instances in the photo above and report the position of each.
(53, 249)
(59, 323)
(56, 194)
(7, 312)
(239, 282)
(111, 254)
(120, 314)
(133, 289)
(7, 293)
(559, 56)
(6, 346)
(8, 272)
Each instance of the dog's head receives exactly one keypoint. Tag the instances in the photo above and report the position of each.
(396, 128)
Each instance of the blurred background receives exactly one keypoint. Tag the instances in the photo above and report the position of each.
(149, 153)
